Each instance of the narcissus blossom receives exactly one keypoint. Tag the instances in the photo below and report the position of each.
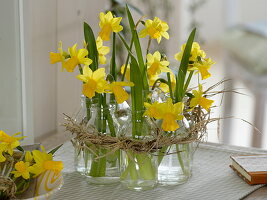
(22, 169)
(102, 51)
(93, 81)
(168, 112)
(196, 52)
(8, 144)
(202, 67)
(198, 99)
(153, 110)
(154, 64)
(58, 57)
(117, 88)
(44, 161)
(156, 29)
(76, 57)
(109, 24)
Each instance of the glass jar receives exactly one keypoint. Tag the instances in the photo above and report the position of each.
(139, 170)
(175, 166)
(80, 116)
(80, 152)
(99, 165)
(175, 161)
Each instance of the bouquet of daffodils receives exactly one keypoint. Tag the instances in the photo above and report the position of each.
(160, 95)
(19, 168)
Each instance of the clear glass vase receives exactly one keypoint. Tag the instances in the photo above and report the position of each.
(99, 165)
(139, 170)
(175, 161)
(175, 165)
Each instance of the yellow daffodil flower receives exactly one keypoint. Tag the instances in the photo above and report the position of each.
(127, 74)
(153, 110)
(202, 67)
(155, 65)
(8, 144)
(167, 111)
(156, 29)
(58, 57)
(44, 161)
(22, 169)
(198, 99)
(109, 24)
(102, 51)
(76, 57)
(117, 88)
(195, 52)
(93, 81)
(170, 114)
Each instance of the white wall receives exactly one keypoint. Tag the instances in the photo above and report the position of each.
(10, 76)
(43, 40)
(70, 17)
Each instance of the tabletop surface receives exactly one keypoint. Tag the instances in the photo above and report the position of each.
(212, 178)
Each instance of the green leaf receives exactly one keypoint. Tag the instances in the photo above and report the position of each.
(137, 97)
(138, 49)
(20, 148)
(53, 151)
(113, 58)
(91, 45)
(137, 89)
(180, 79)
(188, 80)
(129, 49)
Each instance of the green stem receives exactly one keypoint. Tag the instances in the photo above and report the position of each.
(110, 124)
(88, 108)
(86, 155)
(98, 167)
(113, 58)
(125, 173)
(94, 167)
(188, 81)
(133, 171)
(146, 168)
(99, 113)
(109, 118)
(162, 153)
(180, 159)
(127, 60)
(103, 114)
(132, 168)
(148, 45)
(102, 163)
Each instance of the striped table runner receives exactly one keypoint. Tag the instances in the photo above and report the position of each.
(212, 179)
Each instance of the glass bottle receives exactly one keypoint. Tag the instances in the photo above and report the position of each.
(139, 170)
